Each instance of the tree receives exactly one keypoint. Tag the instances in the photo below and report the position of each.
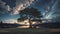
(1, 22)
(29, 13)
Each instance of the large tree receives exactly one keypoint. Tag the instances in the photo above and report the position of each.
(29, 13)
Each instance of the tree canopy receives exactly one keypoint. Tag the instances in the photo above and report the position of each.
(29, 13)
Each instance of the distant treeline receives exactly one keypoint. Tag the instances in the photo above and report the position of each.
(50, 25)
(8, 25)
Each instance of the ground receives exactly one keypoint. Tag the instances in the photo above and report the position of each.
(29, 31)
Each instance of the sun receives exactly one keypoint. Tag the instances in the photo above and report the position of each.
(26, 22)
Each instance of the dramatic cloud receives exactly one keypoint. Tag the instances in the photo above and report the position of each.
(21, 4)
(50, 9)
(4, 8)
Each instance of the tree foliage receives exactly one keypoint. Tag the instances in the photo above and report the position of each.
(29, 13)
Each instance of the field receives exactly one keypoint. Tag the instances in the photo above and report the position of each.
(29, 31)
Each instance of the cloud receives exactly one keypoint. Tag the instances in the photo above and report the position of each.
(51, 9)
(10, 21)
(20, 5)
(4, 8)
(8, 7)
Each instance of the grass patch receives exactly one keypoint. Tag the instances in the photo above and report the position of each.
(26, 31)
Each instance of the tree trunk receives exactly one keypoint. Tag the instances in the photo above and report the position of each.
(30, 24)
(40, 21)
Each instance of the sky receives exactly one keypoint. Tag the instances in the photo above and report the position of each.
(9, 9)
